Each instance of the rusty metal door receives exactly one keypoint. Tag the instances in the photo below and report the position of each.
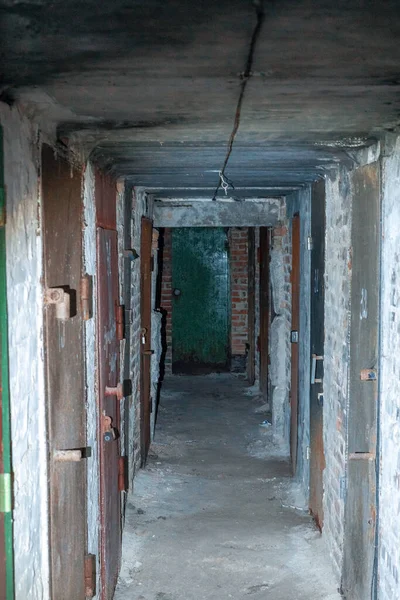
(360, 512)
(65, 385)
(145, 342)
(317, 456)
(295, 333)
(251, 303)
(109, 409)
(264, 309)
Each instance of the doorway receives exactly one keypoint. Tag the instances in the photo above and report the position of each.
(200, 300)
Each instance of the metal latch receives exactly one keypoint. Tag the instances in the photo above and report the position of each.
(294, 337)
(368, 375)
(109, 432)
(315, 358)
(61, 298)
(310, 243)
(5, 493)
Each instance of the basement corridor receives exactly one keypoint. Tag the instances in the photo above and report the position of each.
(213, 515)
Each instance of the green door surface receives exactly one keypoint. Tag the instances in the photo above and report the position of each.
(200, 288)
(6, 529)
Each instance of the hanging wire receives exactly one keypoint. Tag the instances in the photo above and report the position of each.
(245, 76)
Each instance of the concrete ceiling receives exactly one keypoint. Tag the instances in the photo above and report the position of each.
(151, 87)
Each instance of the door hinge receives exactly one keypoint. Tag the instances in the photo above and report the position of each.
(310, 243)
(86, 290)
(308, 453)
(5, 493)
(121, 474)
(2, 215)
(90, 575)
(120, 322)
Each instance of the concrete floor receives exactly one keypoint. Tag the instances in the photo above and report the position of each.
(210, 517)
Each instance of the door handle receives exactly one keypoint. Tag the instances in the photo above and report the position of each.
(315, 357)
(177, 292)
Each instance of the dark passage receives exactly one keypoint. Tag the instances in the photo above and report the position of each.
(212, 516)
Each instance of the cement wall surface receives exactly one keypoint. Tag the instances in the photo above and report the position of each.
(92, 468)
(279, 372)
(27, 398)
(204, 213)
(336, 356)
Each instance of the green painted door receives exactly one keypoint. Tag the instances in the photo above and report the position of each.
(200, 291)
(6, 531)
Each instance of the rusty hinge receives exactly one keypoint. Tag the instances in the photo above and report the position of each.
(86, 290)
(90, 575)
(62, 299)
(121, 474)
(5, 493)
(2, 210)
(120, 323)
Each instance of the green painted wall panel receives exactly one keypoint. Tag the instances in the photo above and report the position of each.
(5, 436)
(200, 314)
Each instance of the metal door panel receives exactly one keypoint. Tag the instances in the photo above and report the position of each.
(62, 216)
(200, 314)
(294, 387)
(317, 456)
(145, 355)
(108, 376)
(360, 513)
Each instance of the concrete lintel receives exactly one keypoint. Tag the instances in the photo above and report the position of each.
(204, 213)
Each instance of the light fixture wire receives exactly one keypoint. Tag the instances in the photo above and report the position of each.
(223, 180)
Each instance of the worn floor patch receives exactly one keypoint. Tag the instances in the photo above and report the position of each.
(213, 515)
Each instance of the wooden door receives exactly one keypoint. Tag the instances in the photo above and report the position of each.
(65, 384)
(264, 309)
(251, 303)
(145, 345)
(6, 529)
(109, 408)
(317, 456)
(360, 512)
(200, 312)
(295, 336)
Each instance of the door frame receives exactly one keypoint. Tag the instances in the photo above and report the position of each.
(317, 337)
(295, 336)
(265, 312)
(251, 307)
(146, 242)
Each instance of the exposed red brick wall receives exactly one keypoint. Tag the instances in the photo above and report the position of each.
(166, 295)
(238, 239)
